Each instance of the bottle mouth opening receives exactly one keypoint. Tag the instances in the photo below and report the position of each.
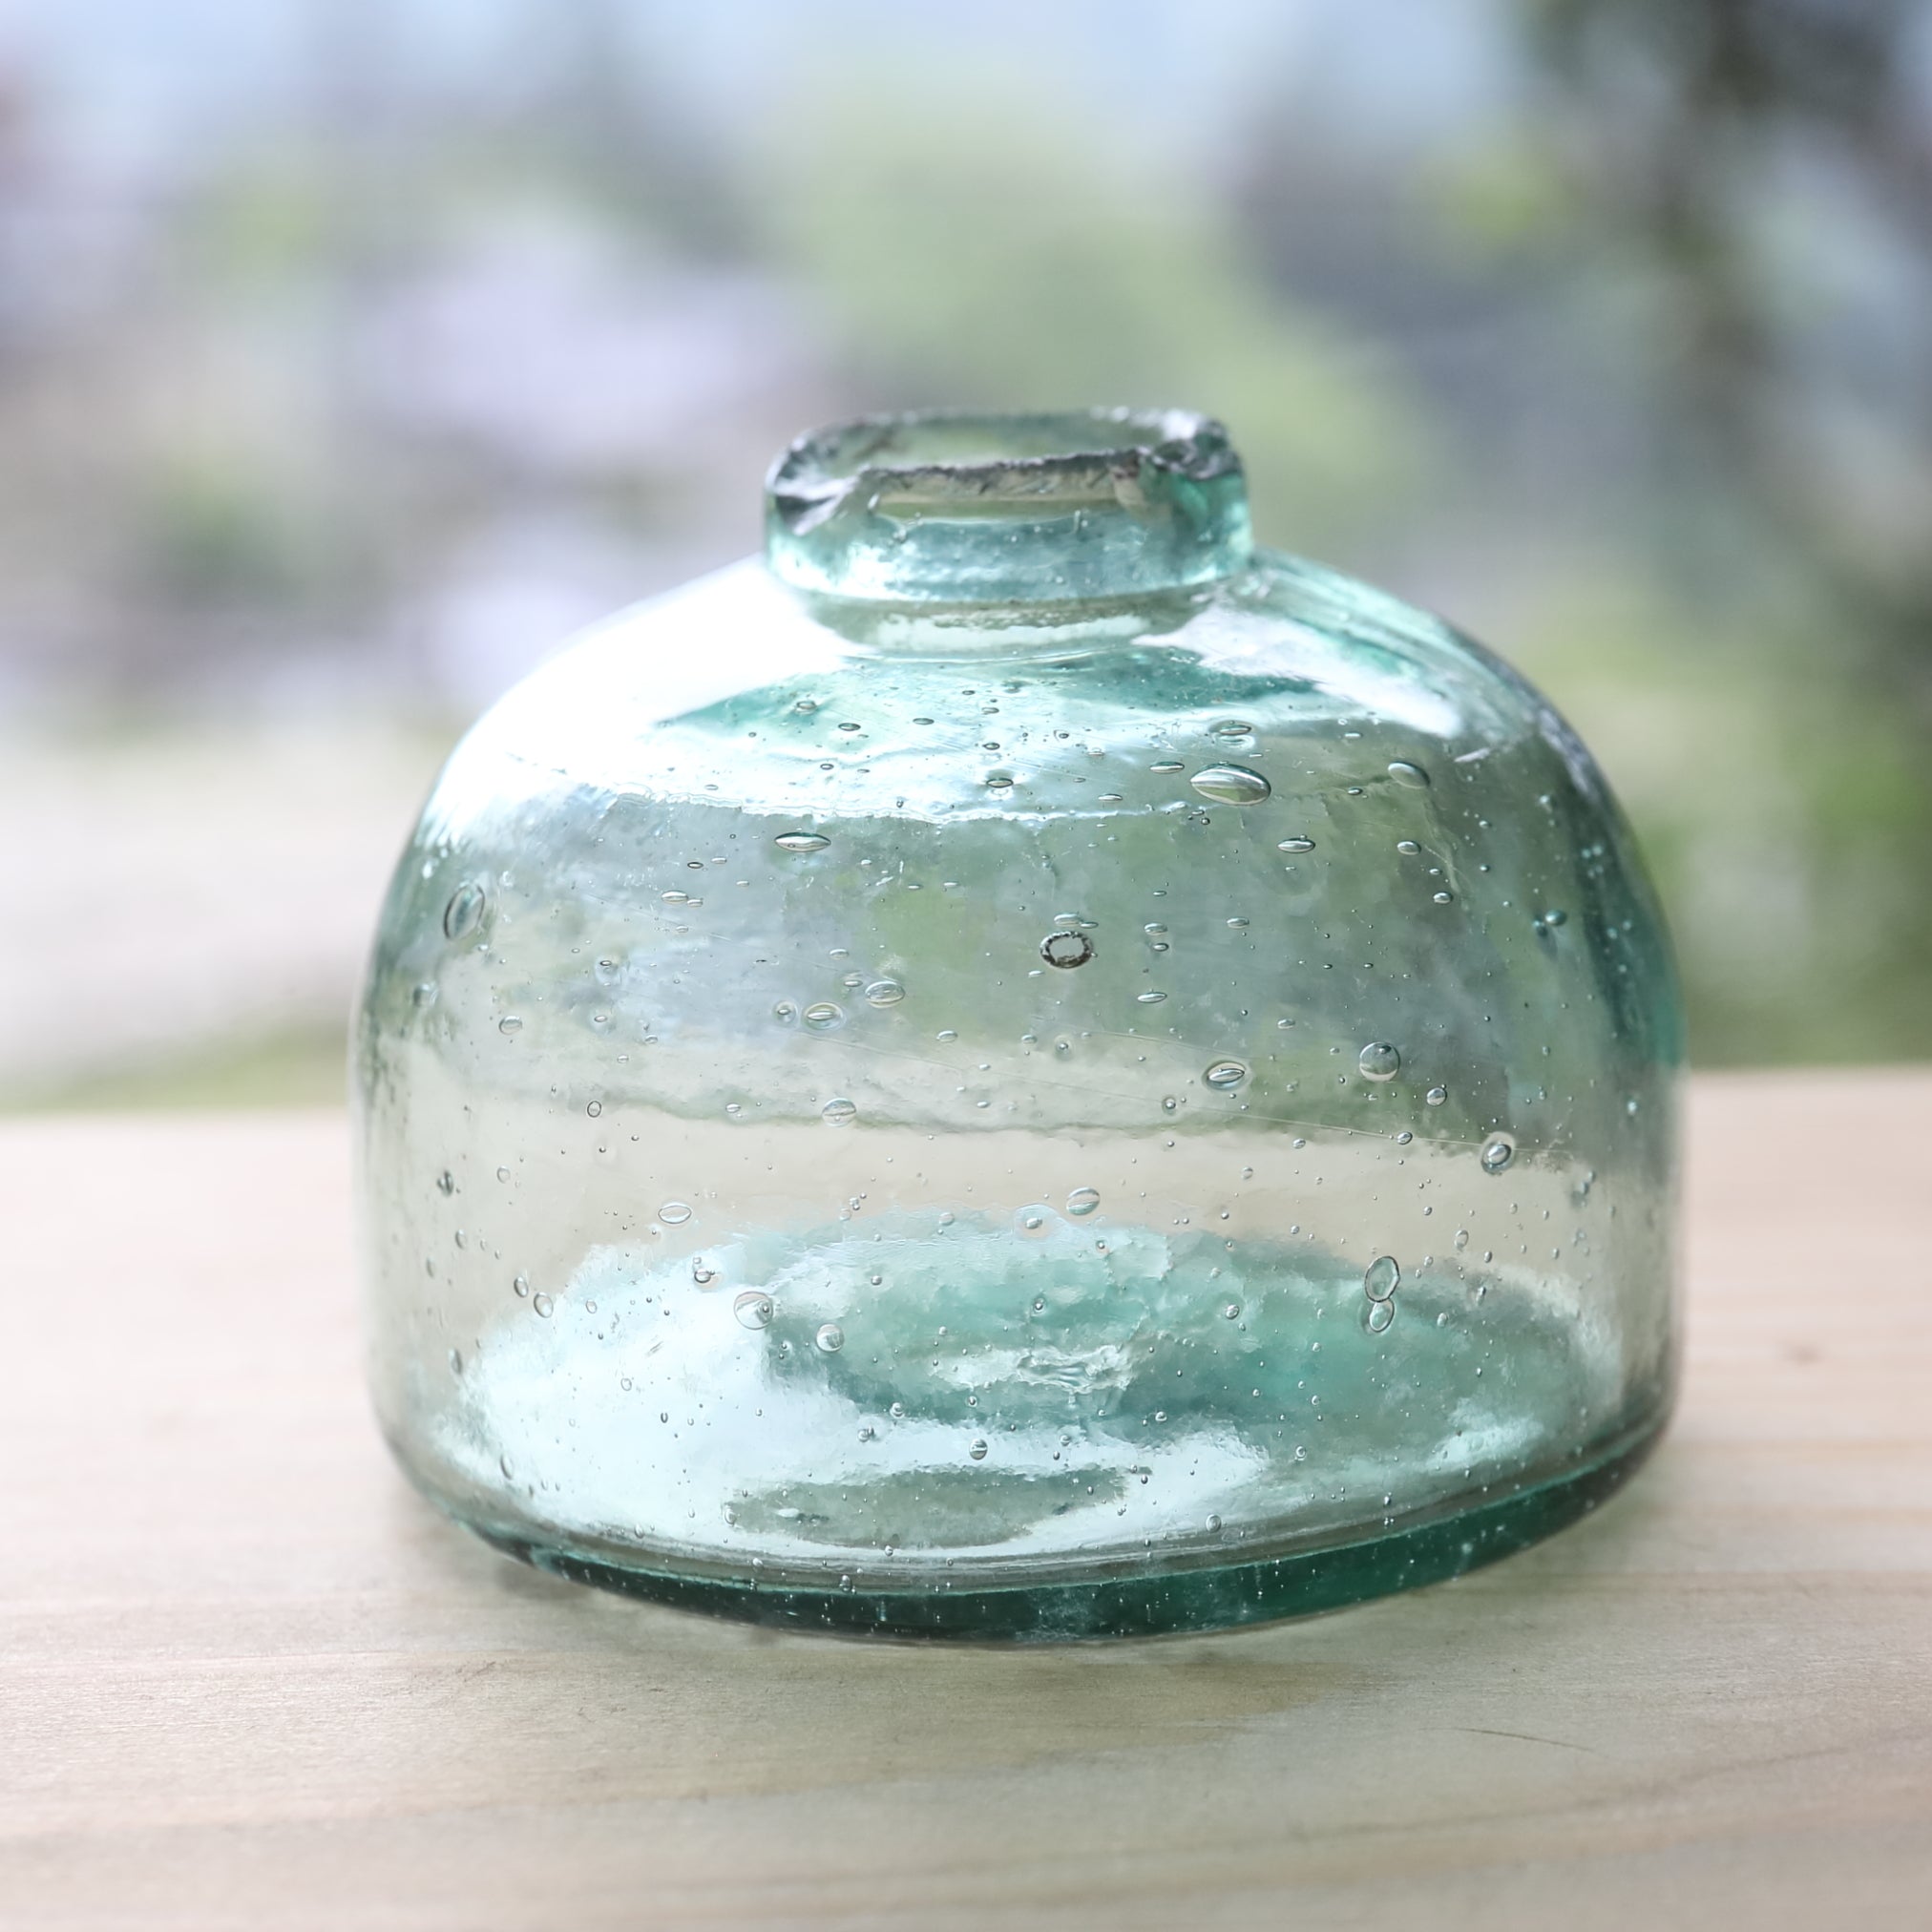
(967, 455)
(971, 506)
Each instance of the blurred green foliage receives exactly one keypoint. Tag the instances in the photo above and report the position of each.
(1630, 374)
(213, 536)
(975, 243)
(301, 1067)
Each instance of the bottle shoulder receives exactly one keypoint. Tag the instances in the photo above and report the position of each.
(737, 691)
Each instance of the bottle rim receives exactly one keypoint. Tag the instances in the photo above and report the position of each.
(975, 506)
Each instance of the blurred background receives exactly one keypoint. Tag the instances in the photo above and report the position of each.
(352, 351)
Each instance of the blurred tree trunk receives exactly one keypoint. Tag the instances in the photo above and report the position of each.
(1685, 126)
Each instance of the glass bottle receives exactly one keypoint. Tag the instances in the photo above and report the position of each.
(1018, 1067)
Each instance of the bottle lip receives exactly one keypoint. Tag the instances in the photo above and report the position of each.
(974, 506)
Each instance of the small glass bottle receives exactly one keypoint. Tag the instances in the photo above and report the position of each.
(1018, 1067)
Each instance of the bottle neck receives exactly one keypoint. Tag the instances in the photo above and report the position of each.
(945, 508)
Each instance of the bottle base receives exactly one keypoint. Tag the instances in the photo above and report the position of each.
(1145, 1601)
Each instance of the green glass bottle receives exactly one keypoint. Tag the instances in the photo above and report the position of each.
(1019, 1068)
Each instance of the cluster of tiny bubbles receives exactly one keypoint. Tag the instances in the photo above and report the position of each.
(839, 1113)
(1083, 1200)
(1067, 950)
(1231, 785)
(1405, 773)
(1378, 1061)
(510, 1023)
(675, 1213)
(1381, 1280)
(1436, 1096)
(830, 1339)
(1499, 1150)
(801, 841)
(883, 993)
(976, 1449)
(823, 1017)
(541, 1303)
(464, 912)
(754, 1309)
(1225, 1075)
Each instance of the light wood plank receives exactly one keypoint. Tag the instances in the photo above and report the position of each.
(247, 1680)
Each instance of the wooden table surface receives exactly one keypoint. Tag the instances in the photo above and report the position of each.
(247, 1680)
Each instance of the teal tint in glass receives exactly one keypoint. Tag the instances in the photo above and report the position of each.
(1008, 510)
(1019, 1068)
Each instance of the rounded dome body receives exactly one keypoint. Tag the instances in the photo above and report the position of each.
(1018, 1067)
